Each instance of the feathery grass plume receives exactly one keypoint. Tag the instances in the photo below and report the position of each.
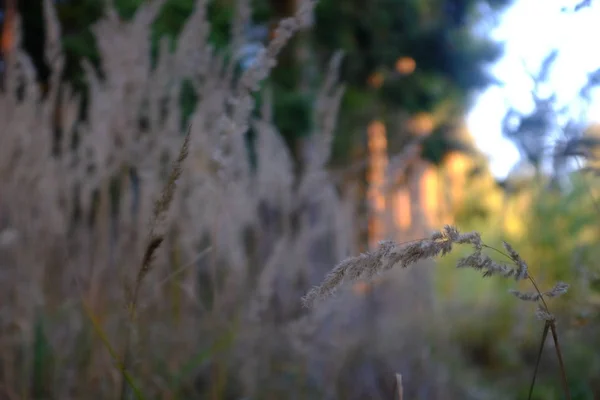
(159, 215)
(267, 58)
(390, 254)
(79, 181)
(155, 239)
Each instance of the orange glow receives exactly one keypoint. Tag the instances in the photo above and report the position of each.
(429, 194)
(375, 80)
(7, 39)
(376, 132)
(405, 65)
(421, 124)
(361, 288)
(377, 144)
(365, 287)
(402, 210)
(457, 165)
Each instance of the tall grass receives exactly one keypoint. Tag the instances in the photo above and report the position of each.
(389, 255)
(176, 287)
(124, 271)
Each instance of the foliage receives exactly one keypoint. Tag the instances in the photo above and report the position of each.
(441, 243)
(557, 233)
(450, 59)
(552, 134)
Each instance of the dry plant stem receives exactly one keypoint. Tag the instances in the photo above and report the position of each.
(552, 326)
(537, 289)
(539, 358)
(390, 254)
(77, 203)
(155, 239)
(563, 373)
(188, 265)
(127, 378)
(548, 325)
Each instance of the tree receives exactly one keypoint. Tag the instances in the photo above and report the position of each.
(553, 134)
(407, 56)
(402, 57)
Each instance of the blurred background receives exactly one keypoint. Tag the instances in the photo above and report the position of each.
(380, 119)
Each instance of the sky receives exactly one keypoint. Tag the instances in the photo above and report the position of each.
(530, 29)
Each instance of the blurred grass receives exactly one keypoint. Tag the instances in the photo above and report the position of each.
(557, 233)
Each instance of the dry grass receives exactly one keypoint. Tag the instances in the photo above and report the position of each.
(389, 255)
(91, 255)
(105, 290)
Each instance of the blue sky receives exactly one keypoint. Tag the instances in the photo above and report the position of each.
(530, 29)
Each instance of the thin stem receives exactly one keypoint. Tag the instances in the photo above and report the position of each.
(127, 381)
(498, 250)
(537, 289)
(549, 325)
(412, 241)
(563, 372)
(188, 265)
(539, 358)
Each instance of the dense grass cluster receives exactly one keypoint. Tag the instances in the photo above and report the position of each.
(140, 256)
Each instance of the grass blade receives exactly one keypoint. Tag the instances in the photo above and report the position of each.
(539, 358)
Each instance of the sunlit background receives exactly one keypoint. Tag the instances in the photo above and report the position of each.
(531, 29)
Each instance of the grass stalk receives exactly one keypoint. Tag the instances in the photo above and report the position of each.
(155, 239)
(390, 254)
